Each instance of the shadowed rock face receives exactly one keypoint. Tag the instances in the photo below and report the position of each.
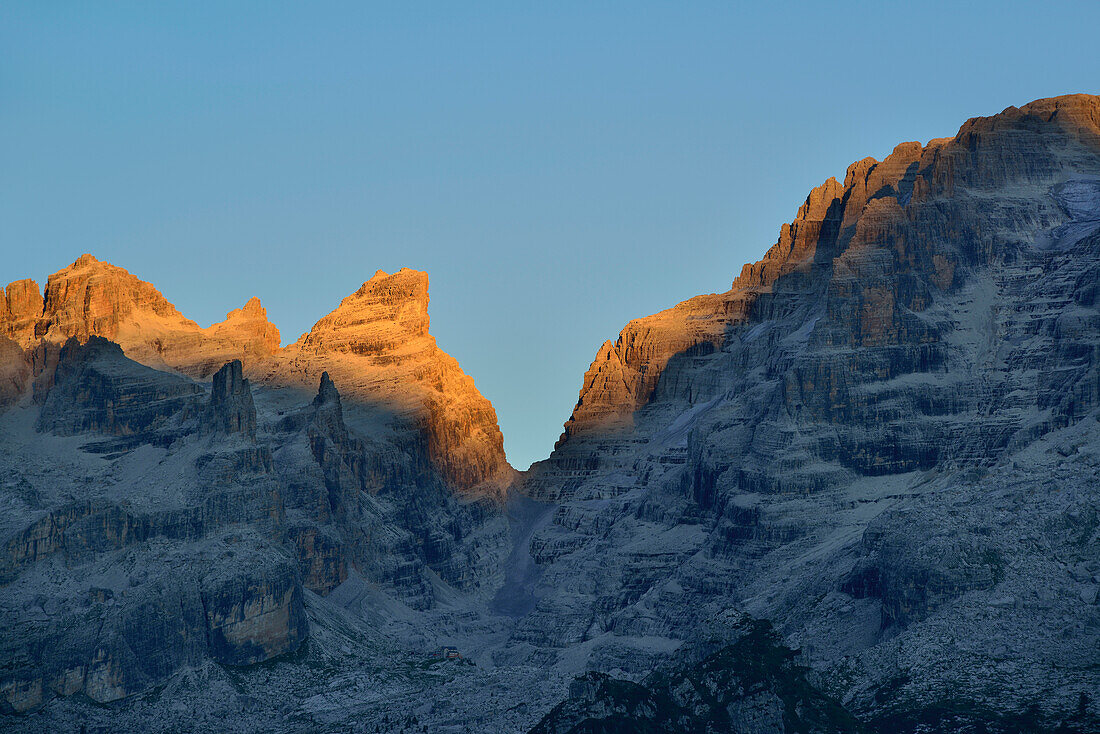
(15, 372)
(254, 614)
(857, 330)
(175, 534)
(855, 440)
(110, 643)
(231, 409)
(356, 502)
(751, 685)
(96, 388)
(376, 344)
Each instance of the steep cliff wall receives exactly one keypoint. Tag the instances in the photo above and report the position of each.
(880, 436)
(94, 298)
(376, 345)
(873, 296)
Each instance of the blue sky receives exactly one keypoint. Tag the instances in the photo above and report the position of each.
(557, 168)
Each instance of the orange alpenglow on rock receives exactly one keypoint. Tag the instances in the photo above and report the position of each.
(877, 249)
(375, 345)
(95, 298)
(20, 310)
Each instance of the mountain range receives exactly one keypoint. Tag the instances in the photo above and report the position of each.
(858, 491)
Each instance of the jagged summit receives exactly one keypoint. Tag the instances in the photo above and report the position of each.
(251, 320)
(95, 298)
(326, 392)
(386, 313)
(376, 344)
(377, 348)
(879, 204)
(231, 409)
(20, 310)
(880, 438)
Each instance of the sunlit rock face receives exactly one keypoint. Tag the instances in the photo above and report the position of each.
(94, 298)
(156, 524)
(152, 526)
(20, 310)
(872, 297)
(854, 438)
(375, 344)
(376, 347)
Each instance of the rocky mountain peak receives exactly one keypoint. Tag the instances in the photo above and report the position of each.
(231, 408)
(91, 297)
(377, 346)
(252, 308)
(388, 312)
(326, 392)
(249, 324)
(20, 310)
(376, 343)
(875, 210)
(857, 435)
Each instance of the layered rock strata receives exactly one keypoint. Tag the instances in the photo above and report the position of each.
(856, 438)
(895, 272)
(150, 528)
(97, 388)
(231, 408)
(376, 344)
(94, 298)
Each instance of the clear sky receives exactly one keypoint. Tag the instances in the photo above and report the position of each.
(557, 168)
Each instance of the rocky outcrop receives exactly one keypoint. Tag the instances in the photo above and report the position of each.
(147, 576)
(97, 388)
(322, 557)
(20, 311)
(15, 372)
(340, 457)
(250, 320)
(231, 409)
(750, 687)
(94, 298)
(912, 569)
(114, 640)
(374, 506)
(254, 613)
(376, 345)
